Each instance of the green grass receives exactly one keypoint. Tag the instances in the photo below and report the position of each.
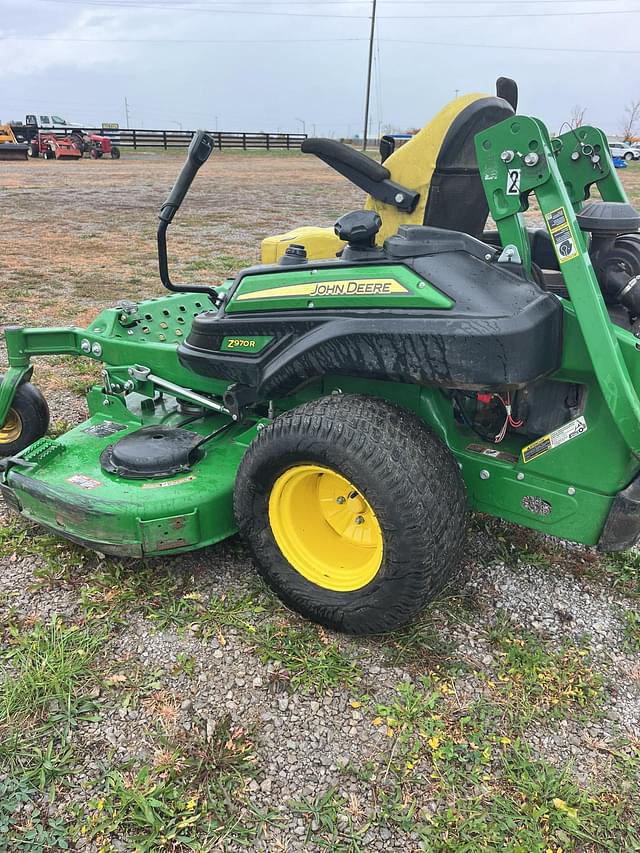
(421, 645)
(80, 373)
(168, 599)
(623, 568)
(631, 629)
(184, 665)
(51, 667)
(31, 831)
(132, 682)
(307, 658)
(41, 763)
(333, 821)
(516, 546)
(533, 678)
(57, 558)
(193, 795)
(46, 691)
(510, 544)
(463, 781)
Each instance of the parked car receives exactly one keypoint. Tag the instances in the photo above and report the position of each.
(51, 122)
(622, 149)
(36, 123)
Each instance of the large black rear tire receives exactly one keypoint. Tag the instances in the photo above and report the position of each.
(404, 483)
(27, 421)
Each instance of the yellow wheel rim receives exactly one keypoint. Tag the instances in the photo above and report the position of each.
(11, 430)
(325, 528)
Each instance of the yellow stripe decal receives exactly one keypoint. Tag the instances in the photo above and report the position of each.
(363, 287)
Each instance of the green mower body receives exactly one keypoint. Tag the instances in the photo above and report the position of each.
(516, 350)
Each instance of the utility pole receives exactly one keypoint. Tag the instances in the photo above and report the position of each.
(126, 111)
(366, 103)
(304, 125)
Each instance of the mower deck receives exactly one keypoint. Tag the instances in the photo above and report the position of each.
(67, 490)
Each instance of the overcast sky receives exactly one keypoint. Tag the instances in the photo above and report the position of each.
(273, 65)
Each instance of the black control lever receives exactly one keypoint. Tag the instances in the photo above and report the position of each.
(199, 150)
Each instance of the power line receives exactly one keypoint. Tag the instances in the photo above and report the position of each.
(501, 15)
(516, 47)
(535, 48)
(174, 41)
(124, 4)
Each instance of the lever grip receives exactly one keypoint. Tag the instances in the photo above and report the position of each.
(200, 148)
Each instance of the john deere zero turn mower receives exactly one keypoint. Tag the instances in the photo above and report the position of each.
(344, 403)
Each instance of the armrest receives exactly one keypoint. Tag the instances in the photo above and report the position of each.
(362, 171)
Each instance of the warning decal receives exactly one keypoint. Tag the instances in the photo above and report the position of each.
(105, 428)
(84, 482)
(166, 483)
(561, 235)
(493, 452)
(513, 181)
(554, 439)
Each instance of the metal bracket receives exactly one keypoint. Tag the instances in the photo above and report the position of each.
(144, 374)
(510, 255)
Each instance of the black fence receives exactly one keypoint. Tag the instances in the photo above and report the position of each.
(142, 138)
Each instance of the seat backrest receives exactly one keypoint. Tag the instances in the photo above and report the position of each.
(440, 163)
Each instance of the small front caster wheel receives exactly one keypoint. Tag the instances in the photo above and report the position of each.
(27, 420)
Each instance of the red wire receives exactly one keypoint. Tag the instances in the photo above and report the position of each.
(510, 421)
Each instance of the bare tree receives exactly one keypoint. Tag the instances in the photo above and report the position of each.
(631, 121)
(576, 119)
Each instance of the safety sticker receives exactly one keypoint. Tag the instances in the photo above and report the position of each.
(513, 181)
(493, 452)
(84, 482)
(561, 235)
(554, 439)
(165, 483)
(105, 428)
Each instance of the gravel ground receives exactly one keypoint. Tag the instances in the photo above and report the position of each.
(305, 738)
